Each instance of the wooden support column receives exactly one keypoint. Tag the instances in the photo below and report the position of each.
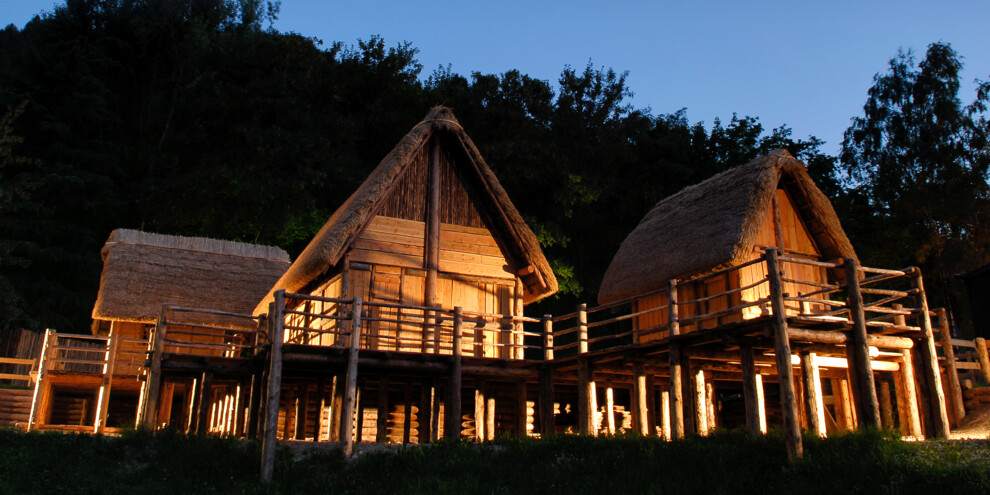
(711, 405)
(153, 381)
(984, 357)
(547, 423)
(586, 401)
(109, 361)
(203, 404)
(910, 393)
(761, 409)
(700, 402)
(302, 410)
(350, 388)
(750, 398)
(639, 400)
(688, 395)
(651, 405)
(665, 420)
(610, 407)
(518, 339)
(955, 389)
(407, 419)
(676, 390)
(427, 428)
(479, 414)
(276, 334)
(452, 409)
(381, 422)
(489, 414)
(814, 405)
(860, 370)
(929, 363)
(886, 408)
(782, 349)
(522, 410)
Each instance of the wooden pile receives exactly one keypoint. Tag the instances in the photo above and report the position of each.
(976, 397)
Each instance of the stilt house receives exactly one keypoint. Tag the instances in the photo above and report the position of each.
(142, 272)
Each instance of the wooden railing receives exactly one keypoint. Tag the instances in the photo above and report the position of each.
(890, 303)
(207, 332)
(324, 321)
(18, 363)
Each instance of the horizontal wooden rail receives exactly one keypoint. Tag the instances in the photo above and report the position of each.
(11, 376)
(81, 336)
(803, 261)
(5, 360)
(183, 309)
(724, 312)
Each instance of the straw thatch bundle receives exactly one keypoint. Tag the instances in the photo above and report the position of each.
(327, 248)
(714, 224)
(141, 271)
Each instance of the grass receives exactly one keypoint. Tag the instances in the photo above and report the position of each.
(725, 462)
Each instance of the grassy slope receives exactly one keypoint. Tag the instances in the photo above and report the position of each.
(723, 463)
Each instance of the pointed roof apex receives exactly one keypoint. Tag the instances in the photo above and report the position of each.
(781, 152)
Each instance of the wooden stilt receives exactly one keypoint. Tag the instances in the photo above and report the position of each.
(109, 361)
(640, 407)
(336, 408)
(610, 407)
(154, 377)
(490, 415)
(860, 370)
(676, 392)
(814, 403)
(711, 404)
(651, 405)
(350, 388)
(452, 409)
(886, 411)
(752, 402)
(761, 410)
(276, 333)
(427, 428)
(547, 423)
(596, 416)
(436, 410)
(700, 402)
(381, 422)
(984, 357)
(479, 415)
(586, 414)
(41, 384)
(522, 410)
(782, 349)
(929, 363)
(302, 409)
(955, 389)
(910, 394)
(688, 395)
(203, 404)
(665, 409)
(407, 420)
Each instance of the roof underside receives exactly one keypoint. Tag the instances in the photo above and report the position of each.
(714, 224)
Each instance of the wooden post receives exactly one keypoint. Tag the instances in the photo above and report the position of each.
(582, 328)
(711, 404)
(651, 405)
(955, 389)
(518, 337)
(813, 402)
(154, 377)
(665, 409)
(522, 410)
(204, 403)
(490, 415)
(547, 423)
(639, 400)
(350, 390)
(674, 357)
(452, 410)
(860, 370)
(276, 334)
(479, 414)
(700, 403)
(381, 422)
(886, 410)
(586, 411)
(239, 417)
(929, 363)
(782, 349)
(752, 402)
(610, 407)
(981, 352)
(910, 394)
(407, 406)
(761, 410)
(427, 428)
(676, 391)
(40, 390)
(302, 410)
(109, 362)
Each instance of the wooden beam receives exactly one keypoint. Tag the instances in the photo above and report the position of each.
(149, 421)
(40, 395)
(700, 402)
(522, 410)
(955, 389)
(610, 408)
(929, 362)
(381, 422)
(676, 392)
(640, 405)
(910, 394)
(761, 409)
(109, 362)
(984, 356)
(750, 398)
(276, 334)
(204, 404)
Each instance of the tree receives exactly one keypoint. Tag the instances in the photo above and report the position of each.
(918, 159)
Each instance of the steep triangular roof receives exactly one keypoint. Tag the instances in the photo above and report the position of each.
(715, 223)
(330, 244)
(142, 271)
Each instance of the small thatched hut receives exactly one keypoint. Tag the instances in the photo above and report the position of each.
(724, 221)
(142, 271)
(431, 226)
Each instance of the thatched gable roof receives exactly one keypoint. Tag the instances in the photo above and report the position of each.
(329, 245)
(141, 271)
(714, 224)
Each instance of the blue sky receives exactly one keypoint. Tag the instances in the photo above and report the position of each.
(804, 64)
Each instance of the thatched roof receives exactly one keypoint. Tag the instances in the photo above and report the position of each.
(714, 224)
(141, 271)
(329, 245)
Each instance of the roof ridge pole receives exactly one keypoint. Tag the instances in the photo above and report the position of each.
(782, 349)
(858, 352)
(276, 334)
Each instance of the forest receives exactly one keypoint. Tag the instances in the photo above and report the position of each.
(191, 117)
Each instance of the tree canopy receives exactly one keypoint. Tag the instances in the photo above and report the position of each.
(191, 117)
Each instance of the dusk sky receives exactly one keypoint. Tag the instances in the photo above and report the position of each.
(806, 66)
